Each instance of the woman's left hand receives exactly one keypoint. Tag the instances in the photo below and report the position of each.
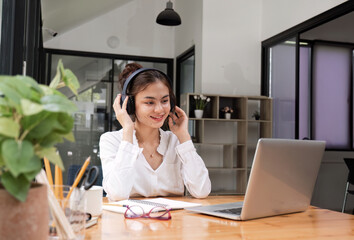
(179, 125)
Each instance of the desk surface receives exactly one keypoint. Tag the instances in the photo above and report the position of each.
(315, 223)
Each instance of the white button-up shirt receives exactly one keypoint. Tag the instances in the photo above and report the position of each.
(126, 172)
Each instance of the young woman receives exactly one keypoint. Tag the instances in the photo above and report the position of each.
(141, 159)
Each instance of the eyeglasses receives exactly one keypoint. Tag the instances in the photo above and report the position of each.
(159, 213)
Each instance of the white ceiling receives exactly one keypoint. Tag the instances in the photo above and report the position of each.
(64, 15)
(339, 30)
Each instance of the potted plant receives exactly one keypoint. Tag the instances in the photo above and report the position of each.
(227, 112)
(33, 119)
(256, 115)
(200, 103)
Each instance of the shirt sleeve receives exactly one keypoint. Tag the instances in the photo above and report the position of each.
(118, 159)
(195, 174)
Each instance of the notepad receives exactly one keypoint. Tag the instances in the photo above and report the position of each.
(148, 204)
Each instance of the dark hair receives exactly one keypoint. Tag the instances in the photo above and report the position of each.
(143, 80)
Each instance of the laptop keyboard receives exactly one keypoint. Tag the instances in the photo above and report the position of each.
(236, 211)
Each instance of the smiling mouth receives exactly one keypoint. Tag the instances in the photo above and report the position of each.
(159, 118)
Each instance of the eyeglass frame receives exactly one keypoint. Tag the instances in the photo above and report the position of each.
(147, 215)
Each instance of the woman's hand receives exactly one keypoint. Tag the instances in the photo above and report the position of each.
(179, 125)
(124, 118)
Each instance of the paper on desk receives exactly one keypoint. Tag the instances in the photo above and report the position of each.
(148, 204)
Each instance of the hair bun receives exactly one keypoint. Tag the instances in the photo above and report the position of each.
(127, 71)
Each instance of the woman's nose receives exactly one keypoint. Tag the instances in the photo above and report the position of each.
(158, 107)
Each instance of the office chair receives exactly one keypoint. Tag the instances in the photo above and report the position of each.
(73, 170)
(350, 180)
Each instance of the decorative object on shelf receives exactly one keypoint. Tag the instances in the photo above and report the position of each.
(33, 119)
(198, 113)
(227, 112)
(169, 17)
(256, 115)
(200, 103)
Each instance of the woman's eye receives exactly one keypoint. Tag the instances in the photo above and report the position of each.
(149, 103)
(165, 101)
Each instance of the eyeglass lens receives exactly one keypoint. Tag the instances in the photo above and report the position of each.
(156, 213)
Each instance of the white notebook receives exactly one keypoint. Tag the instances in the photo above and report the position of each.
(148, 204)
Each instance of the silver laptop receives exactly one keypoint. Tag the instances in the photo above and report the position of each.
(281, 181)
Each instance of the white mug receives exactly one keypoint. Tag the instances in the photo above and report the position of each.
(94, 200)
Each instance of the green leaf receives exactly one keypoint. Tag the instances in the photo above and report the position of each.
(17, 156)
(9, 128)
(51, 139)
(44, 127)
(30, 176)
(30, 82)
(9, 92)
(71, 81)
(30, 108)
(47, 90)
(17, 187)
(58, 76)
(51, 154)
(56, 80)
(69, 136)
(55, 103)
(3, 102)
(65, 123)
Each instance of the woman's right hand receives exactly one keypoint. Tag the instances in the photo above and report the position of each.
(122, 114)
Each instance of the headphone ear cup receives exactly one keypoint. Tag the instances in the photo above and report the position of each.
(131, 106)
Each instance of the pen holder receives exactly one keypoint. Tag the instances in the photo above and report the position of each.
(74, 209)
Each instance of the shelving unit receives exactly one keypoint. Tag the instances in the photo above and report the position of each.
(227, 145)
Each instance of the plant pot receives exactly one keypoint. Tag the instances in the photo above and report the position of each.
(198, 113)
(227, 115)
(24, 220)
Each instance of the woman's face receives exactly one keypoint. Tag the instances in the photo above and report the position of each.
(152, 105)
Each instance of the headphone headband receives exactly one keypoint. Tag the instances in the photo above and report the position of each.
(131, 104)
(137, 72)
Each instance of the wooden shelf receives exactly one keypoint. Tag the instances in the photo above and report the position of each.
(225, 144)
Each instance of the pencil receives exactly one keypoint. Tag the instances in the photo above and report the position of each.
(57, 182)
(61, 194)
(48, 172)
(78, 178)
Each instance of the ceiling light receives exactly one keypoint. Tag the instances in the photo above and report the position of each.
(168, 17)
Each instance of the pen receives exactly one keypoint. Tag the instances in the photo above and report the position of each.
(114, 204)
(78, 178)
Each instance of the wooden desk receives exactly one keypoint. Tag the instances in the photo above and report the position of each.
(315, 223)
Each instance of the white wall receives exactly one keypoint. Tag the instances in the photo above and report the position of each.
(189, 33)
(231, 47)
(280, 15)
(134, 25)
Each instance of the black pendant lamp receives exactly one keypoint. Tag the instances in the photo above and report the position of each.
(168, 17)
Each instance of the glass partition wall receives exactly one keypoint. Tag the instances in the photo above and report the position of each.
(282, 72)
(98, 77)
(311, 83)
